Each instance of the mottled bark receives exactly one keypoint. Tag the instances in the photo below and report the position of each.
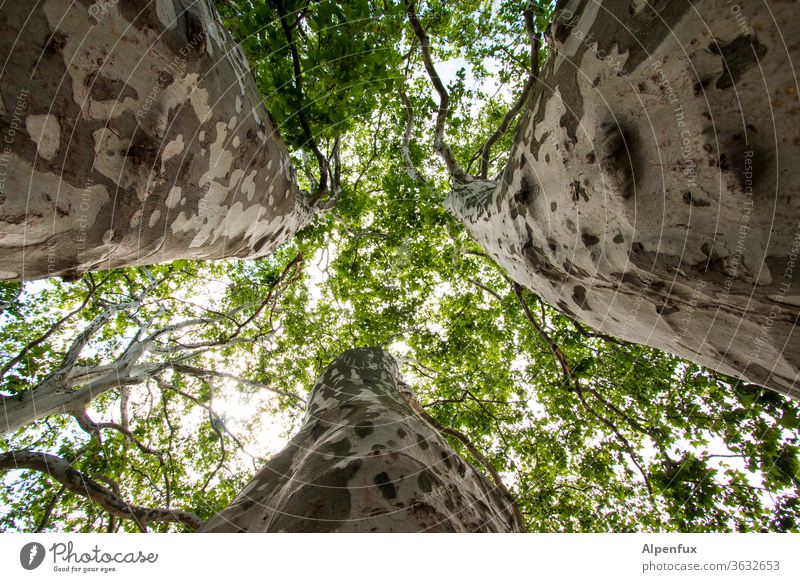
(133, 133)
(652, 190)
(365, 461)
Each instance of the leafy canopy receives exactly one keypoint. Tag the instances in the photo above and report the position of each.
(634, 440)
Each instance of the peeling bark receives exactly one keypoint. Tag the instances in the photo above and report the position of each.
(364, 461)
(652, 190)
(133, 133)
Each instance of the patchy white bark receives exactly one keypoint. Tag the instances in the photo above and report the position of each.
(652, 191)
(365, 461)
(133, 133)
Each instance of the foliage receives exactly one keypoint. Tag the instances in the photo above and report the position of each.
(634, 439)
(161, 440)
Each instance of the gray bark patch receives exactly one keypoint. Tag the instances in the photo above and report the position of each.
(386, 486)
(319, 506)
(364, 429)
(589, 239)
(738, 55)
(579, 297)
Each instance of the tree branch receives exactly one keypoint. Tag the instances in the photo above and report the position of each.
(373, 154)
(336, 178)
(215, 421)
(480, 285)
(439, 144)
(486, 151)
(405, 147)
(557, 353)
(70, 387)
(573, 384)
(94, 428)
(57, 325)
(533, 37)
(203, 373)
(593, 334)
(48, 511)
(79, 483)
(322, 189)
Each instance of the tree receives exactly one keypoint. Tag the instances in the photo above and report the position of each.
(665, 273)
(650, 189)
(365, 460)
(588, 432)
(134, 134)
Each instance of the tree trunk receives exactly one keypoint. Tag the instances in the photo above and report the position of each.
(133, 133)
(652, 190)
(365, 461)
